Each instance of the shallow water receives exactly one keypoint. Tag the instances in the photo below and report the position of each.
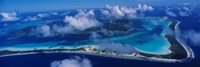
(148, 41)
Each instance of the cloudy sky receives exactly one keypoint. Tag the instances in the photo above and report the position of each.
(44, 5)
(75, 61)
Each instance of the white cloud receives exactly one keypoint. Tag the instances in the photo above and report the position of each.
(181, 13)
(105, 12)
(72, 62)
(193, 36)
(144, 7)
(43, 15)
(187, 9)
(164, 17)
(154, 22)
(62, 30)
(90, 12)
(118, 47)
(95, 35)
(31, 18)
(171, 14)
(43, 30)
(54, 13)
(119, 12)
(169, 31)
(9, 16)
(114, 11)
(83, 20)
(64, 14)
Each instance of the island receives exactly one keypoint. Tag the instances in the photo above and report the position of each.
(176, 50)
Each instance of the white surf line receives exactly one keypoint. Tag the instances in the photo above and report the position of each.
(130, 57)
(123, 56)
(190, 53)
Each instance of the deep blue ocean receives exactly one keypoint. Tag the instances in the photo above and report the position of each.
(44, 60)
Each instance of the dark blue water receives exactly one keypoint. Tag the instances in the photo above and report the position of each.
(44, 60)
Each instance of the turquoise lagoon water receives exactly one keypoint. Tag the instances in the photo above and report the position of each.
(144, 41)
(154, 46)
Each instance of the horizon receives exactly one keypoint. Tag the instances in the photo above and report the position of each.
(54, 5)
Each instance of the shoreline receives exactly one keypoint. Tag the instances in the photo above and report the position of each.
(190, 53)
(90, 50)
(130, 57)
